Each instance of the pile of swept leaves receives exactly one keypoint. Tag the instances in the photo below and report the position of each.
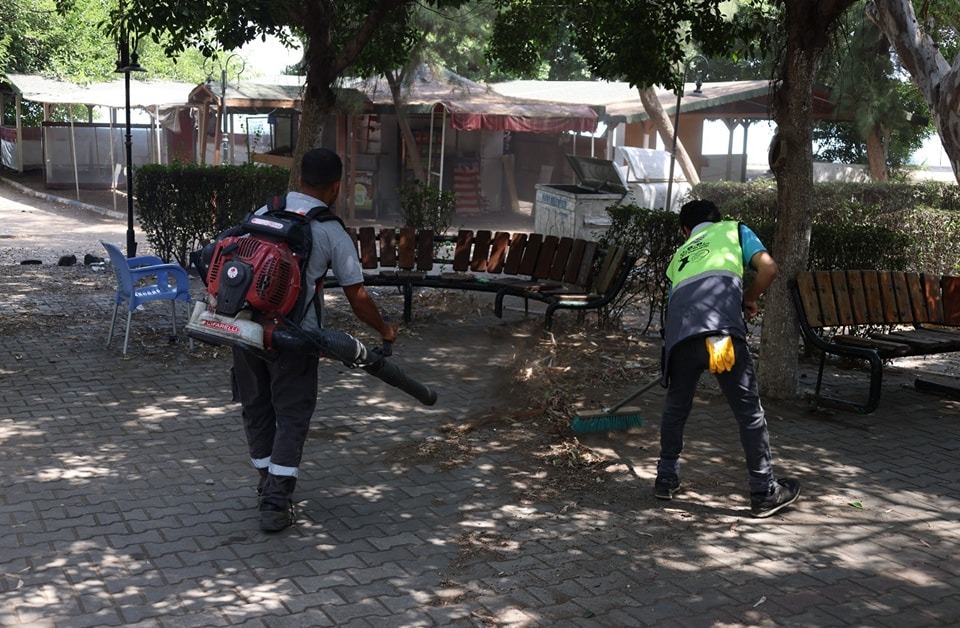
(578, 367)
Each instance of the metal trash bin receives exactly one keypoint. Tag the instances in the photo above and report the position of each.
(580, 211)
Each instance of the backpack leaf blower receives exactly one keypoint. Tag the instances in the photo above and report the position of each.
(253, 290)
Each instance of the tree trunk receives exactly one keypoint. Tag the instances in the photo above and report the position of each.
(877, 143)
(310, 133)
(791, 159)
(325, 63)
(937, 80)
(651, 104)
(403, 121)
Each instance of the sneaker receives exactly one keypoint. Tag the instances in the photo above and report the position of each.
(665, 487)
(276, 520)
(783, 493)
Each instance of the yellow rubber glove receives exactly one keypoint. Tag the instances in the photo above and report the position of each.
(720, 350)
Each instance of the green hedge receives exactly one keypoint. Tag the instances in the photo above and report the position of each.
(894, 226)
(180, 207)
(890, 226)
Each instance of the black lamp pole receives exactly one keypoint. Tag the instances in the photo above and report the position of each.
(126, 64)
(128, 143)
(699, 59)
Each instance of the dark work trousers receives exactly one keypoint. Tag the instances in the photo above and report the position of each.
(278, 400)
(688, 360)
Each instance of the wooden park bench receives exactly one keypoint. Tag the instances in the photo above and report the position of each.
(876, 316)
(562, 272)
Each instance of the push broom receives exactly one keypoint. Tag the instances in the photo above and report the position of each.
(614, 419)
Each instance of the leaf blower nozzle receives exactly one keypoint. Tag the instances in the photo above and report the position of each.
(339, 345)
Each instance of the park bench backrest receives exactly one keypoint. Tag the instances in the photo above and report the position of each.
(870, 297)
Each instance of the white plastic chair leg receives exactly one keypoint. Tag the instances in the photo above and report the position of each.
(126, 336)
(113, 321)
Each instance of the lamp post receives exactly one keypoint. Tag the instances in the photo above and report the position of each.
(127, 62)
(223, 128)
(700, 61)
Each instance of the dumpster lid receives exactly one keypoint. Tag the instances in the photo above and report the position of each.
(648, 165)
(598, 174)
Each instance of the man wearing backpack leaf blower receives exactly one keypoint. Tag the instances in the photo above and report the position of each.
(279, 396)
(704, 329)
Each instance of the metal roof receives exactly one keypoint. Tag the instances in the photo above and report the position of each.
(429, 86)
(143, 94)
(282, 93)
(619, 102)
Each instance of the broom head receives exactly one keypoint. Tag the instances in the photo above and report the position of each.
(604, 421)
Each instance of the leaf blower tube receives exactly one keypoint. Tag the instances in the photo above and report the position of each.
(342, 346)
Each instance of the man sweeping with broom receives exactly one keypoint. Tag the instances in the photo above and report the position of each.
(705, 329)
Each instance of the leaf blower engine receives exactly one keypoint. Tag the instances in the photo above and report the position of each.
(253, 286)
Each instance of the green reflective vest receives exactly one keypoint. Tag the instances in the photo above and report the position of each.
(706, 294)
(715, 249)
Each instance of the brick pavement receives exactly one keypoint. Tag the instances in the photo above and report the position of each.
(127, 498)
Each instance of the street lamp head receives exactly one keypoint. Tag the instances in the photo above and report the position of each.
(701, 65)
(134, 65)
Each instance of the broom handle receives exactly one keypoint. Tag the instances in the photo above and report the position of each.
(645, 388)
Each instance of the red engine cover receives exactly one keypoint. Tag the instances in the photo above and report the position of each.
(276, 273)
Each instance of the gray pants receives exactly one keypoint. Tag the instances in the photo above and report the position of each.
(688, 360)
(278, 400)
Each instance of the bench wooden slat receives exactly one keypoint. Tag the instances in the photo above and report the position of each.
(886, 348)
(858, 299)
(807, 289)
(388, 247)
(530, 254)
(352, 232)
(871, 288)
(829, 316)
(901, 292)
(890, 313)
(498, 252)
(950, 299)
(586, 265)
(916, 345)
(918, 304)
(841, 295)
(609, 269)
(572, 270)
(545, 259)
(924, 340)
(481, 250)
(931, 290)
(461, 252)
(425, 250)
(367, 237)
(559, 265)
(518, 244)
(407, 250)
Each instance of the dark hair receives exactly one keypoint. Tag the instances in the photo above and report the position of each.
(695, 212)
(320, 167)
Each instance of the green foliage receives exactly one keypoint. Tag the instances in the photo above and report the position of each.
(36, 38)
(893, 226)
(652, 235)
(643, 42)
(896, 226)
(181, 207)
(423, 206)
(69, 40)
(870, 98)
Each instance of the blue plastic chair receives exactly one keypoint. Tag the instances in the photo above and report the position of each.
(131, 285)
